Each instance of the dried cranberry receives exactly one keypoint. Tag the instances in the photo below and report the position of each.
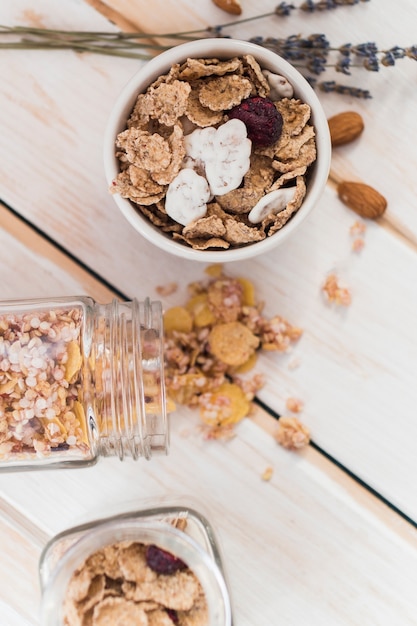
(173, 615)
(262, 120)
(162, 562)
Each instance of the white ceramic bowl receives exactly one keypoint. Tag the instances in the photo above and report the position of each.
(223, 49)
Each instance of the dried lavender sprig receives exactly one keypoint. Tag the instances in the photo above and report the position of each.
(330, 86)
(324, 5)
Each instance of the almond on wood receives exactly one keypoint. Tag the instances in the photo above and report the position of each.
(230, 6)
(345, 127)
(363, 199)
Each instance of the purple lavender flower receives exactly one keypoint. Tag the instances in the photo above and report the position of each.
(283, 9)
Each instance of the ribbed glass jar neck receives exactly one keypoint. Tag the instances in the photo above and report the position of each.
(128, 408)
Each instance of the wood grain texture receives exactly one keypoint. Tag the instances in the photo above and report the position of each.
(59, 104)
(295, 528)
(333, 551)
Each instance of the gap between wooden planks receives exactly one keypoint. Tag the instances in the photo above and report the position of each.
(20, 230)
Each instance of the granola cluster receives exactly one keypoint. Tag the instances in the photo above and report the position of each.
(292, 434)
(336, 293)
(134, 584)
(187, 161)
(40, 369)
(212, 342)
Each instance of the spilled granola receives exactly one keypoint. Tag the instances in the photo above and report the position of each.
(211, 345)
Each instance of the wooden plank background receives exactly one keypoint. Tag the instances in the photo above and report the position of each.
(356, 366)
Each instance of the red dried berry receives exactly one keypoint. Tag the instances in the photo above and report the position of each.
(263, 121)
(173, 615)
(163, 562)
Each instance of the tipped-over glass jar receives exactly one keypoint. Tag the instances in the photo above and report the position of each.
(155, 566)
(79, 380)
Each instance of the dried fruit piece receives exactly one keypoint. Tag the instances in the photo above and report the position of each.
(200, 310)
(363, 199)
(261, 118)
(161, 561)
(248, 291)
(74, 361)
(227, 405)
(345, 127)
(178, 319)
(232, 343)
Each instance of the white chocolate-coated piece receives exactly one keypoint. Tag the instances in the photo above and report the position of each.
(231, 159)
(279, 85)
(187, 197)
(223, 153)
(273, 202)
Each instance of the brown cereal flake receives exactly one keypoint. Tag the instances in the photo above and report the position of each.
(145, 150)
(203, 244)
(206, 227)
(285, 178)
(131, 593)
(306, 156)
(224, 92)
(198, 114)
(113, 611)
(177, 591)
(197, 68)
(252, 68)
(169, 101)
(295, 115)
(292, 148)
(137, 185)
(164, 176)
(238, 232)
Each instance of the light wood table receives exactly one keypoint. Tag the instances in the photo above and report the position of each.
(331, 538)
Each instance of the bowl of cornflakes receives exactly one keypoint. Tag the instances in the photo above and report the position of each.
(216, 150)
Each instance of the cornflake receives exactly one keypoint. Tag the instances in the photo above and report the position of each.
(213, 345)
(197, 95)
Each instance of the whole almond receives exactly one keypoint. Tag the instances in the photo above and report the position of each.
(231, 6)
(363, 199)
(345, 127)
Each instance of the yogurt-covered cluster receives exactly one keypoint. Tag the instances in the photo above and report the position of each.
(216, 160)
(216, 153)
